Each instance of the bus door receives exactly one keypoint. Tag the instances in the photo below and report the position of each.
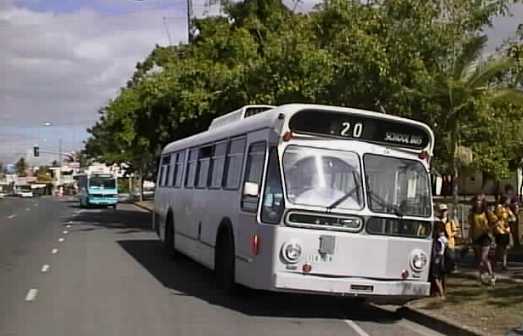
(250, 195)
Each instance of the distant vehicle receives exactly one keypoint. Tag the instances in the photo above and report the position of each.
(303, 198)
(24, 191)
(99, 189)
(3, 191)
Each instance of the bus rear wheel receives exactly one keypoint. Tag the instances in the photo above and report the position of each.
(225, 264)
(168, 242)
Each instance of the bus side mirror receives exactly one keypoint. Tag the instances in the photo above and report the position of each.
(250, 189)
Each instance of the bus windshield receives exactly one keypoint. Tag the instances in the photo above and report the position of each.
(102, 182)
(397, 186)
(321, 177)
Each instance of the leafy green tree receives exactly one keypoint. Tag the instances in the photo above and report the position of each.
(21, 167)
(469, 93)
(382, 55)
(44, 174)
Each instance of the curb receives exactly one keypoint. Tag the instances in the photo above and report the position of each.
(142, 207)
(442, 325)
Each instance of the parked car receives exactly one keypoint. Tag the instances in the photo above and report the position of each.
(24, 191)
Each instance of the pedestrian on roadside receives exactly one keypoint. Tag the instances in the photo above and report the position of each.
(514, 227)
(480, 234)
(502, 230)
(437, 263)
(450, 229)
(514, 207)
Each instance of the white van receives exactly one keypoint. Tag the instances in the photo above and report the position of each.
(24, 191)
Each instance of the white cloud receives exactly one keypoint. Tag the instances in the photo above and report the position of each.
(62, 67)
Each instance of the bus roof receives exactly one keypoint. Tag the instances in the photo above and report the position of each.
(272, 117)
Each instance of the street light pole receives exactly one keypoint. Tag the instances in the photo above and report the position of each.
(189, 21)
(60, 152)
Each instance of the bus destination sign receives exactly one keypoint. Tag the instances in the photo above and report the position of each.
(359, 127)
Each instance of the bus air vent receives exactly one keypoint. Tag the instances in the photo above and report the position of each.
(326, 222)
(242, 113)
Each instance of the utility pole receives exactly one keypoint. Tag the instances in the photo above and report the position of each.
(190, 31)
(60, 152)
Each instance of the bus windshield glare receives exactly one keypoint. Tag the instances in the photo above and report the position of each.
(321, 177)
(397, 186)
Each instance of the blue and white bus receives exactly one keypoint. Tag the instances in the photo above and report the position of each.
(303, 198)
(98, 189)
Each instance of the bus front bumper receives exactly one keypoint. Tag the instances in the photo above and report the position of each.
(103, 201)
(381, 290)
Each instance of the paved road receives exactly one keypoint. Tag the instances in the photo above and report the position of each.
(109, 276)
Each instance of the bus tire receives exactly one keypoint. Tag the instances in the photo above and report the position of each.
(225, 262)
(168, 242)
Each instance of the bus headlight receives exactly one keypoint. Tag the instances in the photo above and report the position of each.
(418, 260)
(291, 252)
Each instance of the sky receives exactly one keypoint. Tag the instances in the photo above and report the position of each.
(62, 60)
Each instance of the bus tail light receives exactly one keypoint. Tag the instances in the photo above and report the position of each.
(404, 274)
(424, 155)
(255, 244)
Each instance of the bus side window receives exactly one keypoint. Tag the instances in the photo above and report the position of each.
(171, 170)
(191, 168)
(164, 171)
(253, 176)
(218, 164)
(204, 161)
(179, 169)
(234, 163)
(273, 202)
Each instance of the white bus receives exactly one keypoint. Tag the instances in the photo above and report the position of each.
(303, 198)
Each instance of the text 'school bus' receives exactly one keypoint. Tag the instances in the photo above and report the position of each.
(98, 190)
(303, 198)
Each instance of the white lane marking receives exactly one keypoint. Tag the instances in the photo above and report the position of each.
(65, 232)
(11, 217)
(61, 240)
(31, 294)
(70, 222)
(68, 226)
(356, 328)
(27, 209)
(35, 205)
(54, 251)
(45, 268)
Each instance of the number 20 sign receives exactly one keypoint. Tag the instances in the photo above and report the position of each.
(351, 130)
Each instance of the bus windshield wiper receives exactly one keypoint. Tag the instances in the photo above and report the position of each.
(343, 198)
(388, 207)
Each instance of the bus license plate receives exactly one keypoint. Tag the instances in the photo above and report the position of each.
(327, 244)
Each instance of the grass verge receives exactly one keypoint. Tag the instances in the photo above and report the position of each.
(494, 311)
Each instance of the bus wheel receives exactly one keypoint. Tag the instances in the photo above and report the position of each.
(168, 242)
(225, 263)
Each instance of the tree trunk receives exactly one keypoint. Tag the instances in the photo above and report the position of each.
(141, 185)
(455, 170)
(130, 180)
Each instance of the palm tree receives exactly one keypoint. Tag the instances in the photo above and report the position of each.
(467, 80)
